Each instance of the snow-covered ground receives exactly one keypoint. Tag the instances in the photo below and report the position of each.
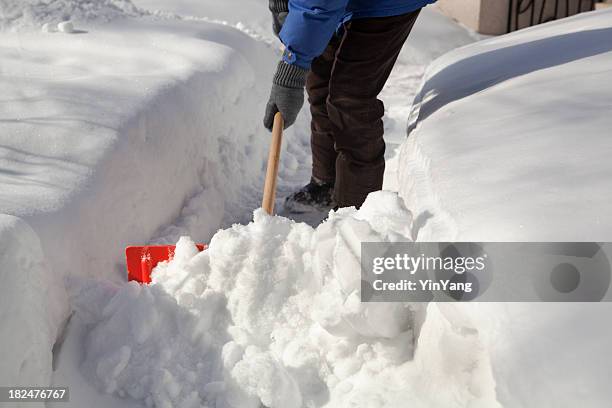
(433, 35)
(145, 125)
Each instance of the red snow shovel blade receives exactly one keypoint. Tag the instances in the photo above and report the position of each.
(141, 260)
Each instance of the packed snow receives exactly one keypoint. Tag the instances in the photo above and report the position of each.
(509, 138)
(147, 127)
(28, 15)
(117, 136)
(251, 16)
(510, 141)
(30, 305)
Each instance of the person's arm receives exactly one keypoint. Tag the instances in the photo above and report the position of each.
(306, 31)
(279, 10)
(308, 27)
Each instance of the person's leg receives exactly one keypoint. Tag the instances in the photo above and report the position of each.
(322, 137)
(317, 194)
(364, 59)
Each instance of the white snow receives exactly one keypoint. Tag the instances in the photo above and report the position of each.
(247, 15)
(119, 136)
(432, 36)
(510, 141)
(510, 138)
(31, 305)
(270, 314)
(28, 15)
(65, 27)
(147, 126)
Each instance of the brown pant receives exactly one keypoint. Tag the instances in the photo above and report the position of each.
(343, 85)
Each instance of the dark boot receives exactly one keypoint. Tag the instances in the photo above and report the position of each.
(314, 196)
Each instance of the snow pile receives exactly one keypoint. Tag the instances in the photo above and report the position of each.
(510, 141)
(17, 15)
(270, 314)
(509, 137)
(31, 303)
(120, 136)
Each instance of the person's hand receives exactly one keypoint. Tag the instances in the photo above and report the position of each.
(279, 10)
(287, 95)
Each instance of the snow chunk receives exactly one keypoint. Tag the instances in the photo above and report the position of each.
(65, 27)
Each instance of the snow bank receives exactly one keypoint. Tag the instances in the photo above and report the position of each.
(510, 137)
(547, 354)
(32, 304)
(248, 15)
(270, 314)
(509, 140)
(21, 15)
(126, 121)
(119, 136)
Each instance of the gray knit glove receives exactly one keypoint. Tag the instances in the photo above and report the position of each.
(279, 9)
(287, 95)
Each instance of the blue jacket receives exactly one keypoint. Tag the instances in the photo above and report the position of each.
(310, 24)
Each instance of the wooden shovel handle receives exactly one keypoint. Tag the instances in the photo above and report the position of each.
(273, 162)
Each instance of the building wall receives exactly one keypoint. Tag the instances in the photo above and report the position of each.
(465, 11)
(491, 16)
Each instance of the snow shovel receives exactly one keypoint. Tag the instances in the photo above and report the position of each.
(273, 161)
(141, 260)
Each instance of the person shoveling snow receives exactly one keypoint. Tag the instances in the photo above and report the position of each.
(270, 314)
(342, 51)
